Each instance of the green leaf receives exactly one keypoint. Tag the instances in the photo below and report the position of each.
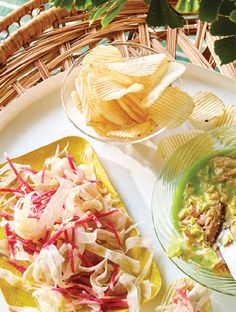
(227, 7)
(97, 3)
(64, 4)
(209, 9)
(184, 6)
(108, 18)
(98, 12)
(147, 2)
(225, 48)
(82, 5)
(162, 14)
(223, 27)
(232, 16)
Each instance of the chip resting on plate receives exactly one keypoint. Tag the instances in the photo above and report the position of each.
(168, 145)
(130, 98)
(207, 111)
(66, 241)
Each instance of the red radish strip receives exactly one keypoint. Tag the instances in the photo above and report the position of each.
(43, 196)
(71, 257)
(91, 298)
(98, 223)
(73, 235)
(6, 215)
(9, 190)
(29, 169)
(34, 217)
(85, 260)
(29, 250)
(115, 305)
(17, 266)
(8, 235)
(12, 240)
(71, 162)
(105, 214)
(66, 236)
(73, 290)
(47, 234)
(94, 181)
(43, 175)
(27, 243)
(112, 299)
(54, 237)
(26, 184)
(58, 221)
(85, 220)
(114, 276)
(111, 226)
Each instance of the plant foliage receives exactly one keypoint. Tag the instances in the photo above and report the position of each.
(220, 13)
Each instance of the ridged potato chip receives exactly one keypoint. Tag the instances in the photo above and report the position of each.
(173, 71)
(228, 118)
(107, 89)
(103, 54)
(208, 108)
(172, 108)
(135, 132)
(112, 111)
(168, 145)
(141, 67)
(130, 105)
(76, 100)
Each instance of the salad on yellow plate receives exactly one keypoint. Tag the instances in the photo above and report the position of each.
(67, 243)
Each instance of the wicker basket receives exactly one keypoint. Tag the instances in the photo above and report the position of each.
(50, 41)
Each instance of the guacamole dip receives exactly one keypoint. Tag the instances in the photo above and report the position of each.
(204, 203)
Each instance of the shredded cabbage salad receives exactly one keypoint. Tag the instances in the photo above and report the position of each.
(187, 299)
(70, 240)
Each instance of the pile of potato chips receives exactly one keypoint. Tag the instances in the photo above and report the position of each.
(129, 98)
(209, 113)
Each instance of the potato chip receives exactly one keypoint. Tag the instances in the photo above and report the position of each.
(134, 132)
(102, 71)
(168, 145)
(161, 80)
(107, 89)
(130, 105)
(76, 100)
(138, 67)
(103, 54)
(228, 118)
(112, 111)
(208, 109)
(172, 108)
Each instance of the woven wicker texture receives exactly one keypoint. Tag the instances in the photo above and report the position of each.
(53, 38)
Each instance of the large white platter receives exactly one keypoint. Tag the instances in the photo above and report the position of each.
(37, 118)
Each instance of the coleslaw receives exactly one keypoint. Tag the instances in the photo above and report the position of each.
(69, 238)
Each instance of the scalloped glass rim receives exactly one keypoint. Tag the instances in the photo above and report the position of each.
(162, 197)
(67, 102)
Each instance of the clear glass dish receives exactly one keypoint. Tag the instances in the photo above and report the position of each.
(163, 194)
(128, 50)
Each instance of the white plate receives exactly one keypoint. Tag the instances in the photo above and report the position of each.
(37, 118)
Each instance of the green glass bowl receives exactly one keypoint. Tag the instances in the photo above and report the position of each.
(162, 199)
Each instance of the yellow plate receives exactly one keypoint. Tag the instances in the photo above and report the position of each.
(77, 147)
